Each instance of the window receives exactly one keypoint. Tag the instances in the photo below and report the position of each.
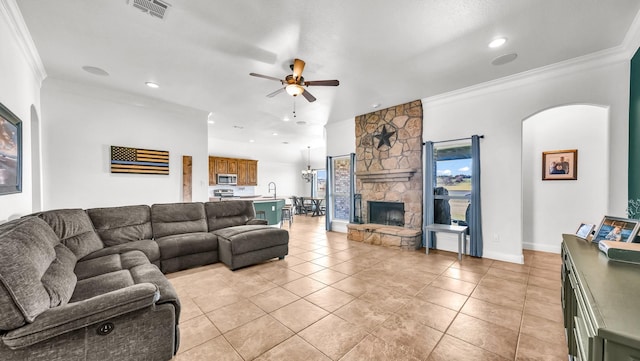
(319, 184)
(341, 185)
(452, 183)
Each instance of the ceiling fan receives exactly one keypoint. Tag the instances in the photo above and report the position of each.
(293, 83)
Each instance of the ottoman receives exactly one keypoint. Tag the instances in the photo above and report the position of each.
(242, 246)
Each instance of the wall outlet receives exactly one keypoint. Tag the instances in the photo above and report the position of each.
(496, 237)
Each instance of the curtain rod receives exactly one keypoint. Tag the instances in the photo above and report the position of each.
(454, 140)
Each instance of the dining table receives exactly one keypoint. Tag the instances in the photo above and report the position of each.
(317, 206)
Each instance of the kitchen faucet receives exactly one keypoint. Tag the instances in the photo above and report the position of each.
(274, 189)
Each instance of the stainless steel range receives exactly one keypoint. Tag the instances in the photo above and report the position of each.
(223, 193)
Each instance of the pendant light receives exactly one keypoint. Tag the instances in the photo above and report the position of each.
(308, 174)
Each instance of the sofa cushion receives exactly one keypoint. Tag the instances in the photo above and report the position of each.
(75, 230)
(148, 247)
(184, 244)
(177, 218)
(245, 239)
(109, 273)
(31, 241)
(228, 214)
(59, 279)
(118, 225)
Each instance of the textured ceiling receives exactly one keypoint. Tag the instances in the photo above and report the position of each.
(382, 52)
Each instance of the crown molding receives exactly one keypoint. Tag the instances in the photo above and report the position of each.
(10, 11)
(620, 53)
(631, 41)
(571, 66)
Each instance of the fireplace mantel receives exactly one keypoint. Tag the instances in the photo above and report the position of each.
(387, 175)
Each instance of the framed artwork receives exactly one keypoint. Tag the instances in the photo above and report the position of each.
(585, 230)
(560, 165)
(10, 152)
(617, 229)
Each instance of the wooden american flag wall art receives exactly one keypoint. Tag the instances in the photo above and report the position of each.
(139, 161)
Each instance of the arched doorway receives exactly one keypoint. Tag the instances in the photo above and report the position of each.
(36, 173)
(553, 207)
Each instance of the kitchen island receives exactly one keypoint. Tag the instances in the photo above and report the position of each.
(272, 207)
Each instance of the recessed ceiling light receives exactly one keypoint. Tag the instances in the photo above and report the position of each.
(152, 85)
(497, 42)
(211, 122)
(285, 119)
(251, 140)
(274, 133)
(95, 70)
(376, 105)
(503, 59)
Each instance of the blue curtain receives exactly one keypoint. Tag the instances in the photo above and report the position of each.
(475, 215)
(428, 238)
(328, 214)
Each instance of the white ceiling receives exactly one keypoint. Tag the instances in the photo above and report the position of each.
(384, 52)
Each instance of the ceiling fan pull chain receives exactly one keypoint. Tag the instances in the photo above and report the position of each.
(294, 107)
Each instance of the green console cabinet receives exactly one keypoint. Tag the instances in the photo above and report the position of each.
(601, 303)
(272, 209)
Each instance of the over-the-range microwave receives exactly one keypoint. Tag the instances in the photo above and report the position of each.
(229, 179)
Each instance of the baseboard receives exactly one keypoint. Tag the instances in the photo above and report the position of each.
(339, 226)
(498, 256)
(551, 248)
(449, 242)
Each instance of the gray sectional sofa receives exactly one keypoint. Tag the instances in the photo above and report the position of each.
(89, 285)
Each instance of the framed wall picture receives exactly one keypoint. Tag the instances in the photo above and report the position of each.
(560, 165)
(585, 229)
(617, 229)
(10, 152)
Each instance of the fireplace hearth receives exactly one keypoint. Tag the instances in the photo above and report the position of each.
(387, 213)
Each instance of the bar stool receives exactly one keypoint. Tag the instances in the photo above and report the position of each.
(261, 215)
(286, 215)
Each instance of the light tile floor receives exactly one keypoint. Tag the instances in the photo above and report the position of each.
(334, 299)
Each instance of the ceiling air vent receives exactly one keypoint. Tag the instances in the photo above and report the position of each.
(155, 8)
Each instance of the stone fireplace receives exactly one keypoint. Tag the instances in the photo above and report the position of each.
(387, 213)
(389, 169)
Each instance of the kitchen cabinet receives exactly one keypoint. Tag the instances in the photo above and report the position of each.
(246, 169)
(212, 171)
(599, 301)
(222, 166)
(252, 172)
(242, 172)
(232, 166)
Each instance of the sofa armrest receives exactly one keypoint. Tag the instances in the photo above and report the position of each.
(256, 221)
(72, 316)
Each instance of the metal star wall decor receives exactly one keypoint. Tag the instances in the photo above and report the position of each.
(386, 137)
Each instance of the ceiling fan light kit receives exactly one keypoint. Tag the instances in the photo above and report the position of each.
(293, 83)
(294, 89)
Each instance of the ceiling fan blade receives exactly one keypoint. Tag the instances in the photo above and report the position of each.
(322, 82)
(308, 96)
(266, 77)
(271, 95)
(298, 67)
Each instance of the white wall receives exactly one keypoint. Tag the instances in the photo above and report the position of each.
(341, 137)
(551, 208)
(497, 110)
(21, 73)
(80, 124)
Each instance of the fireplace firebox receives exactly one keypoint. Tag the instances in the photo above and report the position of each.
(387, 213)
